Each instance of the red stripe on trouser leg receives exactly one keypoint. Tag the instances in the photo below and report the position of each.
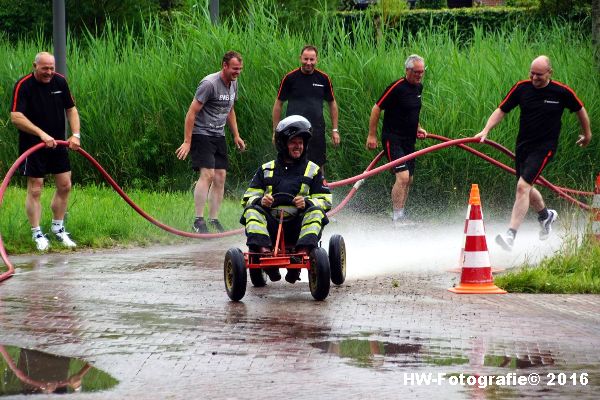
(476, 213)
(475, 243)
(476, 275)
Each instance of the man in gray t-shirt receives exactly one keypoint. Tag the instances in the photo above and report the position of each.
(204, 137)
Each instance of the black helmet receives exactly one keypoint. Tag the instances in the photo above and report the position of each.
(289, 127)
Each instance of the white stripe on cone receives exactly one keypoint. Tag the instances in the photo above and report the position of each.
(476, 228)
(476, 259)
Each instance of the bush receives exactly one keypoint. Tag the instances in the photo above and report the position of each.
(523, 3)
(432, 4)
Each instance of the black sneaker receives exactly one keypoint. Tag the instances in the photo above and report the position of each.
(216, 225)
(292, 275)
(273, 274)
(199, 226)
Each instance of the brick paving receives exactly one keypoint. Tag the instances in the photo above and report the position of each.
(160, 322)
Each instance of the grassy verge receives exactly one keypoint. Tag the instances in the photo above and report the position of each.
(99, 218)
(573, 269)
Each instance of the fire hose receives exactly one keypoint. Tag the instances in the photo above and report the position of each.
(356, 180)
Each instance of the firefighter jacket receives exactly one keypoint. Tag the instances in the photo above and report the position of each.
(300, 178)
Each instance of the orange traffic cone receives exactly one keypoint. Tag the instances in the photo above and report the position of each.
(476, 274)
(473, 197)
(596, 211)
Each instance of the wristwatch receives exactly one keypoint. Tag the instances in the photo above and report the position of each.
(334, 130)
(77, 135)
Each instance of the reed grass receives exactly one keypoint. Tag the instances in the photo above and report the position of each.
(133, 92)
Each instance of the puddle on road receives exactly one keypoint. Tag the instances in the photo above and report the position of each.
(378, 354)
(25, 371)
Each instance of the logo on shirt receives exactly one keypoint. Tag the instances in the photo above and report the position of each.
(551, 102)
(226, 97)
(56, 92)
(318, 85)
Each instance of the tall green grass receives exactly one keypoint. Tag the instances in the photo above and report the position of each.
(133, 93)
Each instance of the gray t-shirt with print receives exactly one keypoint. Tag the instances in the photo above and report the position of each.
(217, 101)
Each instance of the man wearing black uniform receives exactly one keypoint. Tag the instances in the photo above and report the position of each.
(542, 102)
(40, 101)
(401, 102)
(305, 89)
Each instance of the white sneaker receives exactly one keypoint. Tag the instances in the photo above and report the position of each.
(546, 224)
(63, 237)
(505, 241)
(403, 222)
(41, 241)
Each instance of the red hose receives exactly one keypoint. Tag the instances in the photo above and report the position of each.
(542, 181)
(117, 188)
(355, 188)
(562, 192)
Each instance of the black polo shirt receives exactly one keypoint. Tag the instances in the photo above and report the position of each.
(44, 104)
(305, 94)
(401, 102)
(541, 112)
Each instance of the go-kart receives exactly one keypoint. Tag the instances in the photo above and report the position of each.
(321, 267)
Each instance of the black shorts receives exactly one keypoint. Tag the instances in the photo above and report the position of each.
(46, 161)
(530, 164)
(395, 148)
(208, 152)
(316, 151)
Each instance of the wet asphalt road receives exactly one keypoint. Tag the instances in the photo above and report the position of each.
(160, 322)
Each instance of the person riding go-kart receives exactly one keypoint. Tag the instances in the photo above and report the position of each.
(291, 184)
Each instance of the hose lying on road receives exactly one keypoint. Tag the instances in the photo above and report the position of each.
(357, 180)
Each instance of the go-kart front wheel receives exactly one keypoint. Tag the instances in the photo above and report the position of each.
(234, 270)
(337, 259)
(319, 274)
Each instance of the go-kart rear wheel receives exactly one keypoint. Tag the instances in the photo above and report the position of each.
(337, 259)
(319, 274)
(234, 269)
(258, 277)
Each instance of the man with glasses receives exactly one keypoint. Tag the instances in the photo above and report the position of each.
(542, 102)
(401, 102)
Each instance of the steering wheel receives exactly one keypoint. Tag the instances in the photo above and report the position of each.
(282, 199)
(283, 202)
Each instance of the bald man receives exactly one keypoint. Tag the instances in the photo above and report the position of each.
(542, 102)
(40, 102)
